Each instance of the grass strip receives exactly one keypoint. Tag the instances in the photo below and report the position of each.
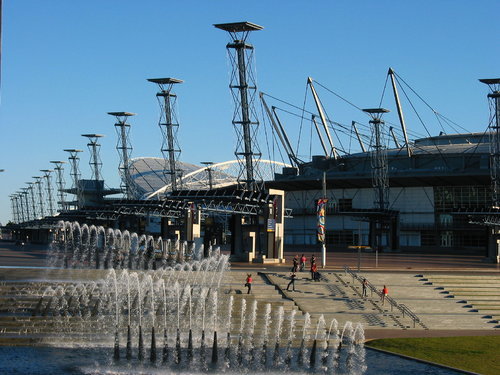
(471, 353)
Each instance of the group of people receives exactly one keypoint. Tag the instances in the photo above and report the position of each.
(299, 264)
(314, 276)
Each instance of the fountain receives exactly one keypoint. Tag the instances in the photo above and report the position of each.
(131, 296)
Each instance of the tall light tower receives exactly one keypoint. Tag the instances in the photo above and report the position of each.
(32, 200)
(20, 199)
(18, 208)
(169, 126)
(48, 189)
(58, 168)
(494, 132)
(74, 161)
(13, 203)
(26, 203)
(244, 89)
(95, 159)
(380, 180)
(41, 206)
(124, 148)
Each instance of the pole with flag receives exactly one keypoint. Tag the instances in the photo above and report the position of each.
(321, 215)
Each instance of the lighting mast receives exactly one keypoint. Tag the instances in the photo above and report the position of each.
(124, 148)
(169, 126)
(244, 88)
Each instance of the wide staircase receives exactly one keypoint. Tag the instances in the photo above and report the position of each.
(476, 293)
(270, 301)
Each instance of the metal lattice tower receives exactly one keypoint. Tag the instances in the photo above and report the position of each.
(380, 180)
(13, 208)
(95, 159)
(31, 193)
(48, 189)
(169, 126)
(20, 214)
(60, 183)
(124, 148)
(25, 194)
(41, 206)
(494, 132)
(21, 205)
(244, 89)
(75, 174)
(15, 211)
(18, 208)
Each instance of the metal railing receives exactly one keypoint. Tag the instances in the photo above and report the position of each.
(392, 302)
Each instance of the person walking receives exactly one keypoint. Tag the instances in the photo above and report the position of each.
(302, 262)
(385, 292)
(314, 271)
(295, 263)
(249, 283)
(293, 276)
(364, 284)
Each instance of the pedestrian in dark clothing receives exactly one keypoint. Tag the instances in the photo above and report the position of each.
(364, 284)
(313, 259)
(295, 263)
(293, 276)
(249, 283)
(302, 262)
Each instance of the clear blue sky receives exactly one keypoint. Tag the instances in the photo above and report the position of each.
(65, 63)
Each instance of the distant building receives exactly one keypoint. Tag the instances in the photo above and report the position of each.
(431, 196)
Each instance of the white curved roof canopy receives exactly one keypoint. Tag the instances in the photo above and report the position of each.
(148, 178)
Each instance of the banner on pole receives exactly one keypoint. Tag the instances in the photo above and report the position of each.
(321, 212)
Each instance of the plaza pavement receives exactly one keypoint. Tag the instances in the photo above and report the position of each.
(451, 295)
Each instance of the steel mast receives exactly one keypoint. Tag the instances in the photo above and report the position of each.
(26, 203)
(244, 89)
(287, 140)
(13, 208)
(41, 206)
(21, 203)
(333, 150)
(48, 188)
(124, 148)
(494, 127)
(394, 138)
(95, 160)
(60, 183)
(400, 111)
(380, 180)
(358, 136)
(32, 198)
(320, 136)
(74, 161)
(278, 128)
(169, 126)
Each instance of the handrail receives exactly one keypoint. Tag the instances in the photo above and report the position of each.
(401, 307)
